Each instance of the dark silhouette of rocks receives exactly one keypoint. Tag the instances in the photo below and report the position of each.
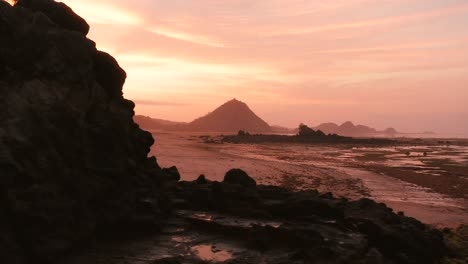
(73, 164)
(201, 179)
(306, 226)
(109, 74)
(230, 117)
(59, 13)
(306, 132)
(304, 135)
(350, 130)
(171, 174)
(238, 176)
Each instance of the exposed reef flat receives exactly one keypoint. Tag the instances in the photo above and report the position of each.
(235, 222)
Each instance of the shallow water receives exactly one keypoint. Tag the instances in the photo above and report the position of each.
(211, 253)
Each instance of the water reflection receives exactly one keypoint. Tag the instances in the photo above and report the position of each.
(211, 253)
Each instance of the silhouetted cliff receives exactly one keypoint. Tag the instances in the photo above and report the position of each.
(72, 161)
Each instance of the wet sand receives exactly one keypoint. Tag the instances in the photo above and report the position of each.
(328, 169)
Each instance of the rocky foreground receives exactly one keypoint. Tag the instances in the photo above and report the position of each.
(309, 227)
(73, 164)
(236, 221)
(74, 169)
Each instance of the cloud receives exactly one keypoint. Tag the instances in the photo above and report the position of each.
(319, 57)
(198, 39)
(393, 20)
(104, 13)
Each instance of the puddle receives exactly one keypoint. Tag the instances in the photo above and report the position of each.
(227, 221)
(211, 253)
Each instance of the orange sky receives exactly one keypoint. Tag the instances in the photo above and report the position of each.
(400, 63)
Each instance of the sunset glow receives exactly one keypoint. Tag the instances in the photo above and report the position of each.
(376, 62)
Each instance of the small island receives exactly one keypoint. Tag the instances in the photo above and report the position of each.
(305, 135)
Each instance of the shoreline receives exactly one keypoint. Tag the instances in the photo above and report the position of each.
(274, 165)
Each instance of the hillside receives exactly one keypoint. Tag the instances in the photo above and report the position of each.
(350, 130)
(150, 123)
(230, 117)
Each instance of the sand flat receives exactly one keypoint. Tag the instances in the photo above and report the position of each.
(326, 168)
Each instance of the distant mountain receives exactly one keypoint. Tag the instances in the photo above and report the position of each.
(230, 117)
(328, 128)
(351, 130)
(150, 123)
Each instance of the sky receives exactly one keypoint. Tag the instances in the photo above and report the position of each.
(382, 63)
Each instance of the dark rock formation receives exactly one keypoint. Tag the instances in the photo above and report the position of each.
(73, 164)
(59, 13)
(305, 135)
(457, 240)
(201, 179)
(171, 174)
(238, 176)
(306, 226)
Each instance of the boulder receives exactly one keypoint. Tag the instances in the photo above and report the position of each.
(238, 176)
(201, 179)
(171, 174)
(109, 74)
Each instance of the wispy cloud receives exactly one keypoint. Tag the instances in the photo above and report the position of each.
(393, 20)
(105, 13)
(299, 59)
(198, 39)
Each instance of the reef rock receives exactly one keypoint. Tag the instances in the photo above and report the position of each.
(238, 176)
(269, 224)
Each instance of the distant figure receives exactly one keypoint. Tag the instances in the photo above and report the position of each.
(425, 154)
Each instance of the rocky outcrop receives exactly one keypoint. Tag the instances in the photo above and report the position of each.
(59, 13)
(305, 135)
(73, 164)
(238, 176)
(303, 227)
